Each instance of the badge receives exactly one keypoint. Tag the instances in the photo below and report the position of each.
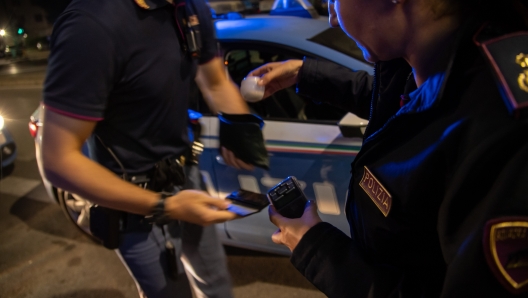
(506, 55)
(522, 60)
(506, 249)
(142, 4)
(379, 195)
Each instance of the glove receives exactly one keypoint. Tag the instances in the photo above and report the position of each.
(242, 134)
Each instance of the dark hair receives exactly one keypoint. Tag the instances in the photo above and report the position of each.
(511, 12)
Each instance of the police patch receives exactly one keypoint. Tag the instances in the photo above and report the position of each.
(142, 4)
(508, 56)
(506, 249)
(379, 195)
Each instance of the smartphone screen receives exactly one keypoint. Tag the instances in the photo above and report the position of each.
(245, 202)
(253, 199)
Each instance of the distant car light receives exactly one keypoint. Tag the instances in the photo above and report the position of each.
(34, 126)
(1, 122)
(33, 129)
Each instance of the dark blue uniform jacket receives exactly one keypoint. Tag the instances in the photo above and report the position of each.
(438, 199)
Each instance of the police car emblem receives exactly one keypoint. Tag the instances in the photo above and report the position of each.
(377, 193)
(506, 248)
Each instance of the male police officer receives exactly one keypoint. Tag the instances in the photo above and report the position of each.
(120, 72)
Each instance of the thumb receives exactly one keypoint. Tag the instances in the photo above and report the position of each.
(276, 237)
(264, 80)
(274, 216)
(220, 204)
(311, 208)
(271, 75)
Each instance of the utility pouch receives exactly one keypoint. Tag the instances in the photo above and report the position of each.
(167, 174)
(106, 225)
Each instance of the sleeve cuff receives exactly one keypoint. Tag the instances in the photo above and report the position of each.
(75, 115)
(310, 244)
(306, 76)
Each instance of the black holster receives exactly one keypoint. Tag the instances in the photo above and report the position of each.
(167, 174)
(106, 225)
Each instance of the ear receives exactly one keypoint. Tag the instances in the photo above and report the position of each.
(332, 15)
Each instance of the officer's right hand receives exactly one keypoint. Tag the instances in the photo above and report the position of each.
(198, 207)
(276, 76)
(231, 160)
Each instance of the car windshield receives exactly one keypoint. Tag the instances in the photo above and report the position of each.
(337, 40)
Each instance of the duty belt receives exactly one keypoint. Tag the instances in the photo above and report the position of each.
(142, 180)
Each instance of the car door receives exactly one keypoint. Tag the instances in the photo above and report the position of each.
(303, 140)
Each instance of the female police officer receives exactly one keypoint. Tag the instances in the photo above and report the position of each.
(438, 204)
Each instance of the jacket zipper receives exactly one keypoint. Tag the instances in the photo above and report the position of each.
(375, 94)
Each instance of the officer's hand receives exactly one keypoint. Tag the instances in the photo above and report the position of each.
(231, 160)
(276, 76)
(290, 230)
(198, 207)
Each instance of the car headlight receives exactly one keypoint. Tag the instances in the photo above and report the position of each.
(1, 122)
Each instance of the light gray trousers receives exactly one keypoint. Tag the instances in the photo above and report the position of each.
(202, 266)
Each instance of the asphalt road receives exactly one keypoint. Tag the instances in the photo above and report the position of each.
(42, 254)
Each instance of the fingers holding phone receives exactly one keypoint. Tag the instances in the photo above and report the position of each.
(198, 207)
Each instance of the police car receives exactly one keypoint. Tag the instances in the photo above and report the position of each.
(313, 142)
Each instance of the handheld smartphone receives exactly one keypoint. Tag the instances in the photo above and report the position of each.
(244, 202)
(288, 198)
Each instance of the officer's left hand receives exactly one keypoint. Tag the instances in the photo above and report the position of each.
(231, 160)
(291, 230)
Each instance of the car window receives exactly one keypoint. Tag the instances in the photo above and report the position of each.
(285, 104)
(336, 39)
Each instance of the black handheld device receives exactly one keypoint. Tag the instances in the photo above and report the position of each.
(288, 198)
(246, 202)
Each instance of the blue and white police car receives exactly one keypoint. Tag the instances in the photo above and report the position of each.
(313, 142)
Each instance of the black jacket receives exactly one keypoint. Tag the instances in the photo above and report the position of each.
(432, 182)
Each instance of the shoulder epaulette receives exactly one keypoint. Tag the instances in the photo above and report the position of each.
(508, 56)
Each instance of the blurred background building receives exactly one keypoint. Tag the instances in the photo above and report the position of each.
(27, 24)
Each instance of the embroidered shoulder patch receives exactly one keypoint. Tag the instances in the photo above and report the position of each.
(142, 4)
(379, 195)
(508, 56)
(506, 249)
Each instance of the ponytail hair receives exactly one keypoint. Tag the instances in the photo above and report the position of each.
(512, 13)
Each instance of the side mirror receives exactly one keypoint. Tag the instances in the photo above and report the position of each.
(351, 126)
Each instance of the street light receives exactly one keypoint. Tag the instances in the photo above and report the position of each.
(2, 32)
